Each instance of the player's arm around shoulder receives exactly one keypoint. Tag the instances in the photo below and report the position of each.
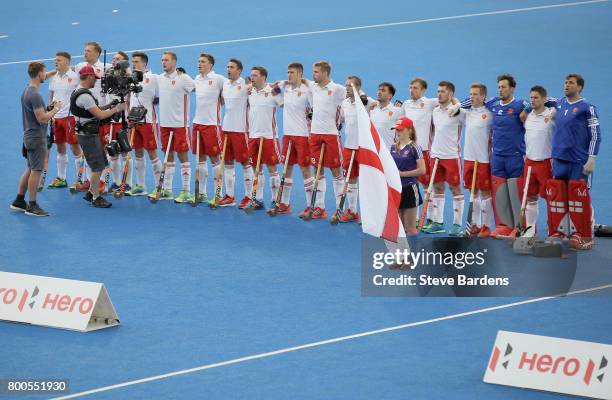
(339, 93)
(220, 81)
(188, 83)
(490, 102)
(277, 95)
(154, 79)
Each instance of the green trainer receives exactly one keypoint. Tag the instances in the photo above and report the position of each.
(183, 197)
(137, 190)
(202, 198)
(166, 195)
(58, 183)
(456, 230)
(435, 227)
(153, 194)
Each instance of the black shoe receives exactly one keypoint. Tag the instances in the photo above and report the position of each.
(100, 202)
(35, 211)
(19, 205)
(88, 197)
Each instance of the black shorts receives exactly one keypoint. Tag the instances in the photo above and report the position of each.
(93, 151)
(411, 197)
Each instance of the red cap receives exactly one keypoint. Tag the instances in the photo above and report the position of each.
(88, 70)
(403, 123)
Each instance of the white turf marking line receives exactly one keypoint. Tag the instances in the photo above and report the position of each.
(3, 36)
(324, 342)
(353, 28)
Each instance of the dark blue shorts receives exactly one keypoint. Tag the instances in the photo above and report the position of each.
(568, 170)
(507, 166)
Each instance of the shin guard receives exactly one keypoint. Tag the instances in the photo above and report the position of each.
(501, 202)
(515, 194)
(556, 202)
(580, 211)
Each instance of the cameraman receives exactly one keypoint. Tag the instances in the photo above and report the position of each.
(89, 116)
(35, 120)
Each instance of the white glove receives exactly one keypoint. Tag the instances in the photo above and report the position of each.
(589, 167)
(453, 110)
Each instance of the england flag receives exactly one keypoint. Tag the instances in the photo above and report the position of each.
(379, 183)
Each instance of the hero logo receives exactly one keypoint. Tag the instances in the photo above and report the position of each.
(9, 295)
(591, 367)
(549, 364)
(495, 357)
(52, 302)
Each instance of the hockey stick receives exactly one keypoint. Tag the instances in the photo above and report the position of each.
(43, 173)
(428, 195)
(522, 226)
(160, 184)
(219, 183)
(107, 171)
(313, 199)
(468, 227)
(80, 172)
(279, 195)
(126, 168)
(251, 206)
(43, 176)
(336, 216)
(196, 196)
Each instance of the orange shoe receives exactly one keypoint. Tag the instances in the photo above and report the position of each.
(412, 232)
(556, 236)
(284, 209)
(500, 232)
(473, 230)
(244, 202)
(84, 187)
(577, 242)
(319, 213)
(349, 216)
(227, 201)
(484, 232)
(305, 212)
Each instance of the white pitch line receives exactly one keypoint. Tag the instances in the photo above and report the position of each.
(335, 30)
(3, 36)
(323, 342)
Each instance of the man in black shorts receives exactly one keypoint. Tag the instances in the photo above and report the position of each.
(34, 149)
(84, 106)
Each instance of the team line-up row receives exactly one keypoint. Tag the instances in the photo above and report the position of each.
(497, 131)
